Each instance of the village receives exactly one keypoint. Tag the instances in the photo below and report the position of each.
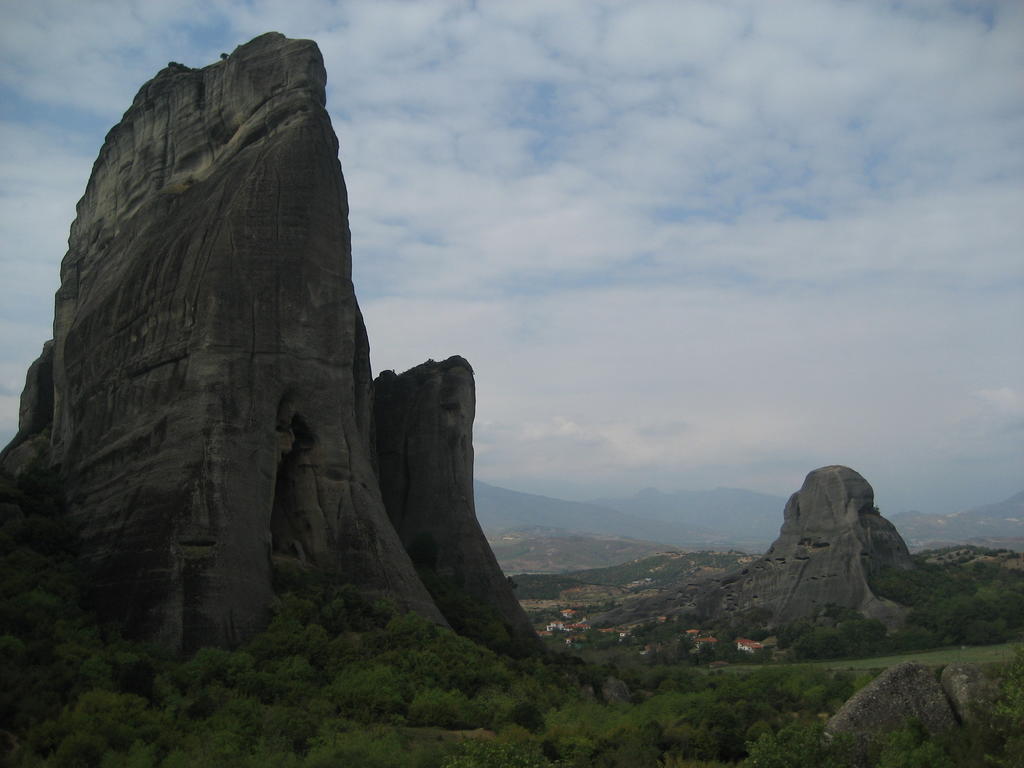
(572, 628)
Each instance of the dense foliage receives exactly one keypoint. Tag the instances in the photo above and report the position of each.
(337, 681)
(971, 603)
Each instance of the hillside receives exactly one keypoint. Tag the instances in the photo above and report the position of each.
(501, 509)
(629, 579)
(996, 525)
(551, 550)
(697, 520)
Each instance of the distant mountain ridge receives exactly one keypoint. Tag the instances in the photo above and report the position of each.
(501, 509)
(724, 518)
(691, 519)
(998, 524)
(734, 514)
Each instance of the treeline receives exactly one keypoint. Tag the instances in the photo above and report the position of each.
(335, 680)
(973, 603)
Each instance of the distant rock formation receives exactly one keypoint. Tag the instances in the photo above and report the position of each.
(424, 421)
(212, 401)
(991, 525)
(908, 690)
(832, 540)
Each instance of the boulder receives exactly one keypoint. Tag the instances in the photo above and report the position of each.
(968, 689)
(424, 420)
(211, 383)
(614, 689)
(906, 691)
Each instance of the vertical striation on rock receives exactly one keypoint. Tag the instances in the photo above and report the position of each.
(212, 390)
(424, 420)
(208, 397)
(832, 540)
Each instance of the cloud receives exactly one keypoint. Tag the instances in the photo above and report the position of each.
(1004, 401)
(683, 244)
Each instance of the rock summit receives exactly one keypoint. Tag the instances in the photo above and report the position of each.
(207, 396)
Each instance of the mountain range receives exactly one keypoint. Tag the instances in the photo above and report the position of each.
(698, 520)
(723, 518)
(997, 525)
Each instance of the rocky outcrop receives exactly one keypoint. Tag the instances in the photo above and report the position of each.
(906, 691)
(424, 420)
(968, 689)
(212, 391)
(615, 690)
(35, 416)
(832, 540)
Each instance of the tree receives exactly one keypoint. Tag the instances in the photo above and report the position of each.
(799, 745)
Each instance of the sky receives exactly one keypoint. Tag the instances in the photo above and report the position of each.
(683, 244)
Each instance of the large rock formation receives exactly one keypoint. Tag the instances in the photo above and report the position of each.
(832, 540)
(212, 395)
(424, 423)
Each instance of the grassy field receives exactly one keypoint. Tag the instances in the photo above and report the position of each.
(973, 654)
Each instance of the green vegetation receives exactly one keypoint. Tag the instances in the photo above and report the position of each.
(968, 600)
(335, 680)
(652, 572)
(539, 550)
(972, 602)
(940, 657)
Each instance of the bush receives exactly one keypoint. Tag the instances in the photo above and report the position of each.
(799, 745)
(445, 709)
(496, 754)
(368, 694)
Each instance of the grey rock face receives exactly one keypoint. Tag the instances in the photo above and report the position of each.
(908, 690)
(424, 420)
(832, 540)
(614, 689)
(20, 456)
(212, 391)
(967, 689)
(34, 416)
